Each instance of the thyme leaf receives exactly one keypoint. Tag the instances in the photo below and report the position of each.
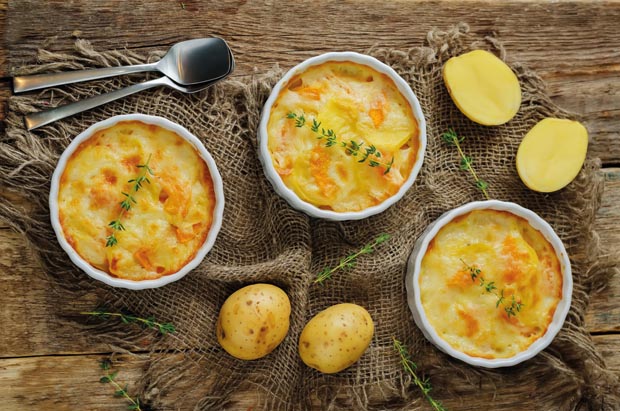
(119, 391)
(129, 201)
(128, 318)
(350, 260)
(451, 138)
(410, 367)
(351, 147)
(511, 307)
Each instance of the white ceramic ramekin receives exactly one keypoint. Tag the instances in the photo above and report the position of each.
(217, 212)
(288, 194)
(413, 291)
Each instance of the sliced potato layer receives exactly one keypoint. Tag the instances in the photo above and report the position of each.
(483, 87)
(551, 154)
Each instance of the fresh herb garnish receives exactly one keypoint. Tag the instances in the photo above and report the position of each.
(129, 200)
(128, 318)
(411, 368)
(451, 138)
(110, 378)
(350, 260)
(370, 153)
(512, 307)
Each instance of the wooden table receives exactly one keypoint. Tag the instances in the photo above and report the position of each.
(574, 46)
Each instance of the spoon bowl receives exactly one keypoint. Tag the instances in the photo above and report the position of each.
(188, 62)
(42, 118)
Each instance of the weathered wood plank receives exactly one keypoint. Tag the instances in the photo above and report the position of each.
(4, 7)
(5, 87)
(72, 382)
(585, 82)
(24, 298)
(596, 99)
(272, 32)
(609, 347)
(574, 46)
(64, 383)
(67, 383)
(603, 314)
(5, 93)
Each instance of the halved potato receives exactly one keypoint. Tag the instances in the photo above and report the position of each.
(551, 154)
(483, 87)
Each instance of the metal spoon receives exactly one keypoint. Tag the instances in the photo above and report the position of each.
(42, 118)
(187, 62)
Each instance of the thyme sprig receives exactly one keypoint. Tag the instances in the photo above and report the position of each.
(410, 367)
(128, 318)
(129, 201)
(512, 307)
(450, 137)
(120, 391)
(350, 260)
(370, 153)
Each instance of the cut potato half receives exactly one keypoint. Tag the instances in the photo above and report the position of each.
(551, 154)
(483, 87)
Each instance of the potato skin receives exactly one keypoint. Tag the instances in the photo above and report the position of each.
(253, 321)
(336, 338)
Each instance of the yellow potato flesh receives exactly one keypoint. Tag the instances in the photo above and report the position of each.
(343, 116)
(551, 154)
(483, 87)
(336, 338)
(253, 321)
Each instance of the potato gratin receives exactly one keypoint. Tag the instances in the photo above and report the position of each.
(519, 262)
(172, 214)
(360, 105)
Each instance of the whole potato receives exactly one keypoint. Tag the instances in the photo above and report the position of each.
(253, 321)
(336, 337)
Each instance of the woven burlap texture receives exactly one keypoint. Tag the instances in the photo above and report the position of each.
(264, 240)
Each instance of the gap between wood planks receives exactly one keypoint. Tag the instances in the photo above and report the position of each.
(169, 351)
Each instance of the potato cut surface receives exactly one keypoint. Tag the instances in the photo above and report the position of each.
(483, 87)
(551, 154)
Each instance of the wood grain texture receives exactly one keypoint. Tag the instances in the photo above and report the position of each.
(68, 383)
(582, 37)
(596, 99)
(63, 383)
(603, 314)
(607, 345)
(263, 33)
(5, 84)
(5, 92)
(574, 46)
(28, 303)
(24, 298)
(4, 6)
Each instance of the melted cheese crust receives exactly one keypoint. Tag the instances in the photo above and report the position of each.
(359, 104)
(509, 252)
(173, 214)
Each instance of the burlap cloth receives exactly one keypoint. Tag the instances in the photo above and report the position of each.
(264, 240)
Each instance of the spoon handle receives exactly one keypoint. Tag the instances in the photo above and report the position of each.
(38, 81)
(42, 118)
